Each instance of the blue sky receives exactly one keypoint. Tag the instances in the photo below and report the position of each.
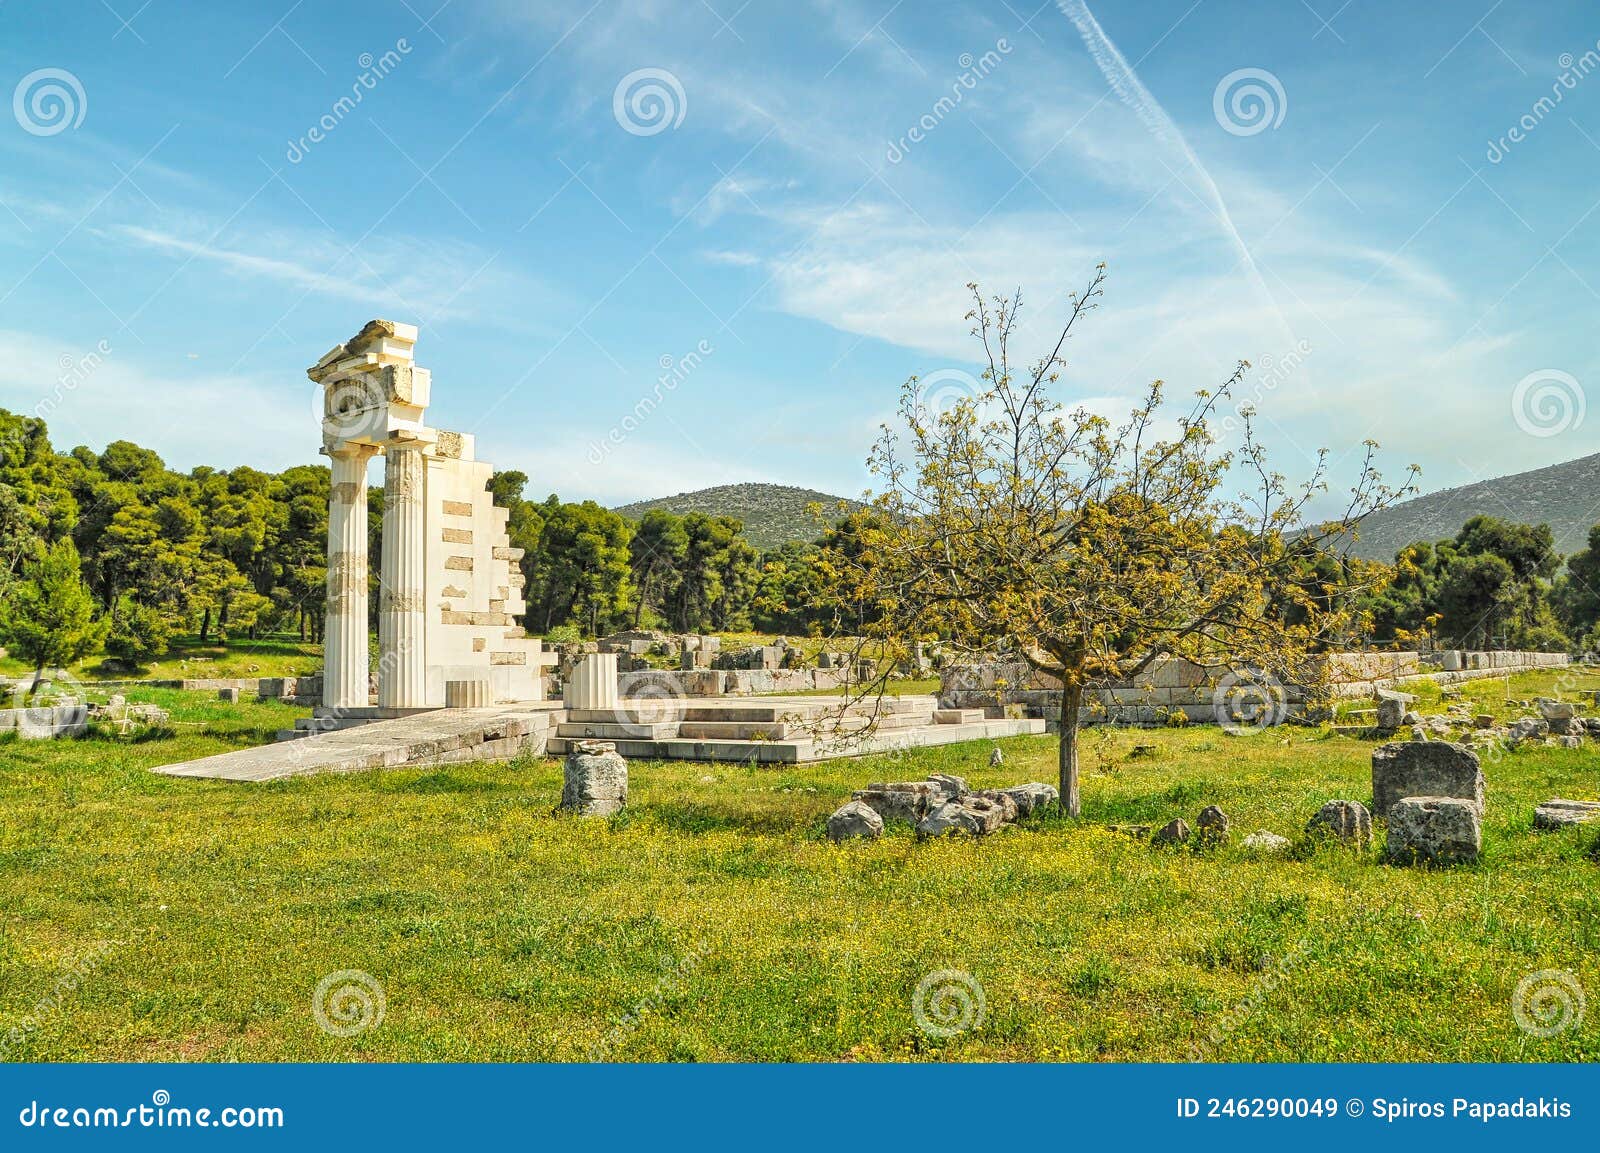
(1366, 231)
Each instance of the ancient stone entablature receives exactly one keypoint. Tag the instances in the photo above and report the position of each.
(449, 590)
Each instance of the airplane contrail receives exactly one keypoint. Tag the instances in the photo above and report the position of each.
(1132, 92)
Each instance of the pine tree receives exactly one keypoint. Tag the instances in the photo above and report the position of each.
(50, 617)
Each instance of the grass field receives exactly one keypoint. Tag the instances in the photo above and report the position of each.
(713, 921)
(189, 659)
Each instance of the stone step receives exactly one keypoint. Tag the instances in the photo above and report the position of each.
(437, 736)
(805, 751)
(735, 730)
(613, 730)
(329, 724)
(957, 716)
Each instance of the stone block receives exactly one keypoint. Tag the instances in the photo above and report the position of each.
(854, 820)
(1031, 797)
(1392, 708)
(1438, 830)
(1425, 769)
(1348, 822)
(1175, 832)
(231, 695)
(1264, 844)
(1211, 826)
(1557, 714)
(1562, 814)
(595, 780)
(972, 814)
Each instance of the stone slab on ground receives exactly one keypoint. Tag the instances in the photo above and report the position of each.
(1562, 814)
(805, 750)
(439, 736)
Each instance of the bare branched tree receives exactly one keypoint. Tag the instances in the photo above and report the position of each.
(1007, 523)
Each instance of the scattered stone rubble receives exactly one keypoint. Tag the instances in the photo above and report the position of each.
(937, 806)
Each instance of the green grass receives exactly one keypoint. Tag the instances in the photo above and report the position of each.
(278, 656)
(713, 921)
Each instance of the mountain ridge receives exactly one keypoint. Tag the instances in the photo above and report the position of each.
(1565, 496)
(773, 514)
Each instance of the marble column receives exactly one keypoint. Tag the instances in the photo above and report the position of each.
(344, 673)
(402, 663)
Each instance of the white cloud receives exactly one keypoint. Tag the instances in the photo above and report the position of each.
(92, 396)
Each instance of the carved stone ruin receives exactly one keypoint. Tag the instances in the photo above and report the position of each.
(449, 590)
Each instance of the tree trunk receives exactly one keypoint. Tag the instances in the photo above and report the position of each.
(205, 625)
(38, 676)
(1067, 758)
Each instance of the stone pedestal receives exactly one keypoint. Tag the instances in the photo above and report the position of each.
(595, 780)
(344, 682)
(402, 673)
(593, 684)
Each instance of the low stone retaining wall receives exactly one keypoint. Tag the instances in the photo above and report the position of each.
(726, 682)
(1174, 687)
(46, 721)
